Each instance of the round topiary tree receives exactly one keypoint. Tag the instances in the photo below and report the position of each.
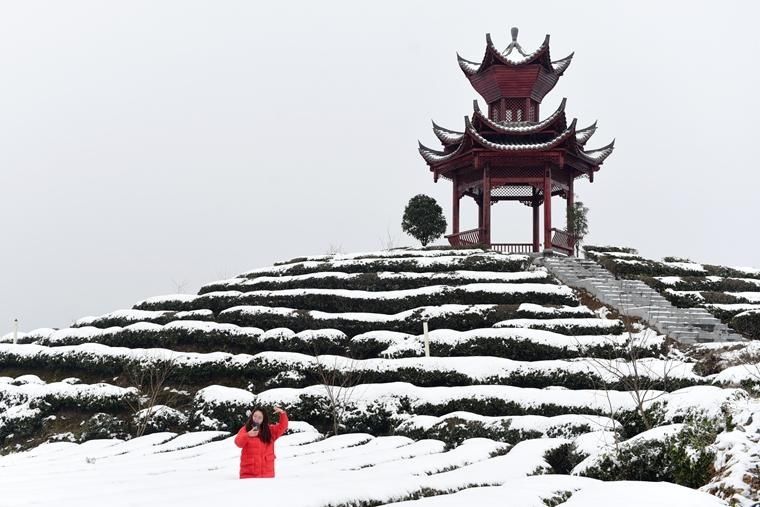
(423, 219)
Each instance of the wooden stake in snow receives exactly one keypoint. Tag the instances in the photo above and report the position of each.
(427, 341)
(15, 331)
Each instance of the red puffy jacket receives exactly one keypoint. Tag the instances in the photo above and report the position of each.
(257, 457)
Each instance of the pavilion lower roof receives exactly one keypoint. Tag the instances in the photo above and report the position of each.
(516, 137)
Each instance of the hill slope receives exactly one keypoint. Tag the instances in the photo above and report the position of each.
(530, 387)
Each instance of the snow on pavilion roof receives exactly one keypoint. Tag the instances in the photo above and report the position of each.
(515, 137)
(494, 56)
(521, 127)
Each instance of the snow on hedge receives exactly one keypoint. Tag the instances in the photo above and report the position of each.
(421, 313)
(547, 426)
(748, 271)
(95, 334)
(747, 371)
(532, 308)
(522, 289)
(124, 315)
(245, 284)
(638, 494)
(612, 448)
(398, 344)
(168, 298)
(23, 401)
(737, 456)
(20, 337)
(564, 325)
(685, 266)
(687, 293)
(31, 390)
(393, 396)
(430, 294)
(732, 307)
(669, 280)
(751, 297)
(420, 263)
(468, 369)
(388, 254)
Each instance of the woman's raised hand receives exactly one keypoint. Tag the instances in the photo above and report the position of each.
(254, 432)
(278, 410)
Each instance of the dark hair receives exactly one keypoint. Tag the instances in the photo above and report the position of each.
(264, 434)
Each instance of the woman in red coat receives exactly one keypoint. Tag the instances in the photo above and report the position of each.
(256, 439)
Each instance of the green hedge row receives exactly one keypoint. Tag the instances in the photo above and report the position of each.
(214, 339)
(599, 248)
(642, 268)
(702, 283)
(405, 322)
(372, 282)
(474, 262)
(510, 348)
(266, 373)
(397, 253)
(331, 341)
(725, 315)
(220, 301)
(381, 418)
(748, 324)
(455, 430)
(30, 423)
(161, 318)
(579, 328)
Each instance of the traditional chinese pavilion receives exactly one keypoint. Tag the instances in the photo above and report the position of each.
(507, 153)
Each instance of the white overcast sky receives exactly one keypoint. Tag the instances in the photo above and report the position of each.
(148, 147)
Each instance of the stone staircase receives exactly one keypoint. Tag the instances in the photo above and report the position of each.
(636, 299)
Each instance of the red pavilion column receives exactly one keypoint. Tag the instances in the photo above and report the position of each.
(547, 208)
(536, 235)
(570, 203)
(480, 213)
(486, 206)
(455, 206)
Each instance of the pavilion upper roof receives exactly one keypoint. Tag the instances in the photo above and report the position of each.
(514, 72)
(493, 56)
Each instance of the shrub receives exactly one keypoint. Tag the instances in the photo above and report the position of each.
(455, 430)
(620, 249)
(161, 418)
(102, 425)
(423, 219)
(684, 458)
(748, 323)
(564, 458)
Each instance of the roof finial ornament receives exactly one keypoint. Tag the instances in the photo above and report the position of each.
(514, 44)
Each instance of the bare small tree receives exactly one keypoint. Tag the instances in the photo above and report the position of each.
(179, 286)
(630, 372)
(388, 242)
(643, 382)
(151, 382)
(334, 249)
(339, 383)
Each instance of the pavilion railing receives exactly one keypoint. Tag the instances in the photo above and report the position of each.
(563, 241)
(512, 247)
(465, 238)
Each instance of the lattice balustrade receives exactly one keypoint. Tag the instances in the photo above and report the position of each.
(562, 241)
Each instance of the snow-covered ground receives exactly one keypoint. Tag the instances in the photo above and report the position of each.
(201, 469)
(525, 392)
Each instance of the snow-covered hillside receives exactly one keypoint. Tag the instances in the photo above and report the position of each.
(532, 392)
